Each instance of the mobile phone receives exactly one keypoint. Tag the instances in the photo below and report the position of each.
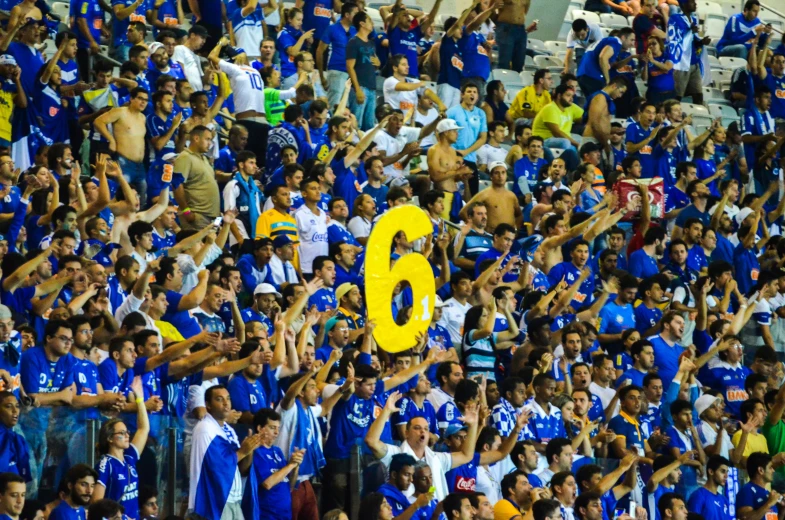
(217, 221)
(632, 509)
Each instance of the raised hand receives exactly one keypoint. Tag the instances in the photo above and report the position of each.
(390, 406)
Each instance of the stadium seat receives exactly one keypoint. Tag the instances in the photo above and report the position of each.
(556, 46)
(527, 78)
(557, 152)
(537, 46)
(508, 77)
(512, 91)
(590, 17)
(705, 7)
(714, 28)
(712, 94)
(606, 31)
(614, 21)
(376, 17)
(717, 110)
(714, 62)
(721, 76)
(548, 62)
(730, 8)
(642, 87)
(693, 109)
(63, 10)
(732, 63)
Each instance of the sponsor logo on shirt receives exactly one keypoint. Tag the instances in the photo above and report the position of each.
(466, 484)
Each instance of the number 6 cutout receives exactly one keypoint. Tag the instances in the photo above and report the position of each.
(380, 280)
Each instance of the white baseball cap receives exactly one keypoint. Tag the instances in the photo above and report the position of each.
(266, 288)
(496, 164)
(446, 125)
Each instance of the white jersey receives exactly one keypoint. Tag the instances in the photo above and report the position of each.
(401, 100)
(192, 66)
(247, 86)
(312, 229)
(488, 154)
(425, 120)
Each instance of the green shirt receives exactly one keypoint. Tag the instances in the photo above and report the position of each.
(775, 438)
(273, 106)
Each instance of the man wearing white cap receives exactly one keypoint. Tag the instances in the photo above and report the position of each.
(162, 64)
(445, 167)
(502, 204)
(264, 305)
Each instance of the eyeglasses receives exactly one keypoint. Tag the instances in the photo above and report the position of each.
(65, 339)
(122, 434)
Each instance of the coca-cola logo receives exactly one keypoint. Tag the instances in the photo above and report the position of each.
(465, 484)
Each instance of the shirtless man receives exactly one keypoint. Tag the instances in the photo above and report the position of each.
(601, 110)
(127, 139)
(202, 112)
(502, 204)
(445, 167)
(511, 33)
(25, 10)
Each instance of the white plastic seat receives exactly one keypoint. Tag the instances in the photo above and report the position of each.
(556, 46)
(714, 28)
(732, 63)
(614, 21)
(723, 111)
(527, 77)
(705, 7)
(695, 110)
(506, 76)
(589, 16)
(544, 62)
(63, 10)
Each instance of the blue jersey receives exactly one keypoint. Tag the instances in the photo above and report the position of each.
(661, 80)
(91, 12)
(754, 496)
(350, 421)
(408, 410)
(183, 321)
(494, 254)
(650, 500)
(86, 379)
(590, 64)
(747, 267)
(41, 376)
(276, 502)
(14, 454)
(156, 127)
(615, 318)
(634, 375)
(504, 418)
(246, 396)
(120, 27)
(210, 322)
(30, 61)
(646, 318)
(776, 84)
(405, 42)
(635, 134)
(65, 512)
(463, 479)
(730, 380)
(545, 426)
(323, 299)
(112, 382)
(676, 199)
(628, 428)
(666, 357)
(287, 38)
(52, 115)
(527, 172)
(740, 31)
(317, 15)
(570, 273)
(336, 37)
(451, 63)
(397, 500)
(642, 265)
(709, 505)
(120, 480)
(448, 415)
(476, 58)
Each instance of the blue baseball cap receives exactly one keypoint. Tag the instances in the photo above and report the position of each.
(529, 245)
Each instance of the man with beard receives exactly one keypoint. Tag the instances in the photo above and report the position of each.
(642, 354)
(526, 459)
(350, 306)
(226, 162)
(398, 144)
(554, 124)
(126, 272)
(205, 313)
(264, 306)
(254, 267)
(707, 500)
(571, 272)
(618, 315)
(401, 477)
(666, 348)
(699, 194)
(643, 262)
(12, 495)
(89, 394)
(445, 166)
(300, 409)
(516, 496)
(448, 375)
(571, 352)
(324, 298)
(14, 456)
(80, 481)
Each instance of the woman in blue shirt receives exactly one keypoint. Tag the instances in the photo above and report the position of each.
(289, 43)
(658, 73)
(479, 339)
(117, 477)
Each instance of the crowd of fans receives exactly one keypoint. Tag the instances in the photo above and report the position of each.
(186, 246)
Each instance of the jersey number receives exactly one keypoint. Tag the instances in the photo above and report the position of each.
(381, 280)
(256, 81)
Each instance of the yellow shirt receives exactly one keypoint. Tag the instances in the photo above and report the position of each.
(7, 94)
(168, 331)
(755, 442)
(551, 113)
(273, 223)
(527, 99)
(505, 510)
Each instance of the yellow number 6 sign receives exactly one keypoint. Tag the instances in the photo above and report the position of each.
(380, 280)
